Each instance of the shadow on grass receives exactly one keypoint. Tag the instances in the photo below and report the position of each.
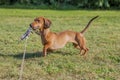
(28, 55)
(34, 54)
(20, 55)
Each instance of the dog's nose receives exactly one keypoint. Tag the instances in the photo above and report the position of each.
(30, 25)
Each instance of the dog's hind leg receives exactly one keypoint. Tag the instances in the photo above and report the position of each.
(82, 44)
(85, 51)
(77, 47)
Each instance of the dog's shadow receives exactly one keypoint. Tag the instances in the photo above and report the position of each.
(20, 55)
(29, 55)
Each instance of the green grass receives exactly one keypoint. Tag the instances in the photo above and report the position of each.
(103, 40)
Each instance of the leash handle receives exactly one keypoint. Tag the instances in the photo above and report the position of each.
(26, 34)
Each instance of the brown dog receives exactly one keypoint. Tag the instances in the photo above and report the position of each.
(52, 41)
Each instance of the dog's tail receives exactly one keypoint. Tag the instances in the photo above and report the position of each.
(88, 24)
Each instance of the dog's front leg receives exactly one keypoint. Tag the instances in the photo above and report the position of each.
(46, 46)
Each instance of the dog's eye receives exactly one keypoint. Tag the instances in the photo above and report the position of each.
(38, 20)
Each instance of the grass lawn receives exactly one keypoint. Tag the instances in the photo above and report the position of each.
(103, 40)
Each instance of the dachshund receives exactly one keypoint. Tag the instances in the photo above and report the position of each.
(53, 41)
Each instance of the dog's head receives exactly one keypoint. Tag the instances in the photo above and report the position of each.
(40, 23)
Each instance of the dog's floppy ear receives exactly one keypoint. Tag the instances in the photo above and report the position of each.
(47, 23)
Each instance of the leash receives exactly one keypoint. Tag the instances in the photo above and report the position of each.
(24, 36)
(23, 60)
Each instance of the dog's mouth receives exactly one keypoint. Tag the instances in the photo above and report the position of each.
(36, 31)
(34, 28)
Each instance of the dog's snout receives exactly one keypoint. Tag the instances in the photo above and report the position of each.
(30, 25)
